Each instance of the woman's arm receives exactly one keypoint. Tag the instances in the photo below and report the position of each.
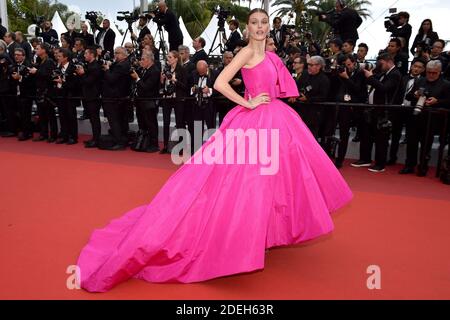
(222, 82)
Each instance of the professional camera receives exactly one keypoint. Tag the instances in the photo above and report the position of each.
(39, 20)
(340, 69)
(78, 63)
(423, 95)
(106, 58)
(200, 100)
(129, 17)
(21, 70)
(158, 19)
(57, 73)
(223, 15)
(392, 22)
(170, 88)
(369, 66)
(92, 17)
(167, 72)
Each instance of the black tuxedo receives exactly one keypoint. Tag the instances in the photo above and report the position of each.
(108, 41)
(147, 111)
(199, 55)
(91, 85)
(232, 42)
(384, 90)
(46, 110)
(66, 106)
(278, 37)
(117, 85)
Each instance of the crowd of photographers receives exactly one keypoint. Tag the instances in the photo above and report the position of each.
(60, 74)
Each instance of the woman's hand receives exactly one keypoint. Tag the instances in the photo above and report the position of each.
(263, 98)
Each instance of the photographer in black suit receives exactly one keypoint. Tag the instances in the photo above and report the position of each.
(65, 85)
(143, 30)
(200, 53)
(344, 21)
(44, 83)
(175, 87)
(383, 90)
(71, 35)
(424, 38)
(430, 92)
(23, 87)
(147, 86)
(401, 29)
(91, 76)
(170, 22)
(201, 88)
(48, 34)
(280, 35)
(352, 89)
(235, 37)
(106, 37)
(116, 91)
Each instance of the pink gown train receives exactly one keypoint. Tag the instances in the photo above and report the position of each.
(214, 220)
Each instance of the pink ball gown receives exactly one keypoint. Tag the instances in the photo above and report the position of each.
(213, 220)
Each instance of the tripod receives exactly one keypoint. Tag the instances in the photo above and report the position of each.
(219, 33)
(162, 42)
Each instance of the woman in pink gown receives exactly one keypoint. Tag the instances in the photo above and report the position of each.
(216, 219)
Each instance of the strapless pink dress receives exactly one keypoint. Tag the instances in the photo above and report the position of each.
(213, 220)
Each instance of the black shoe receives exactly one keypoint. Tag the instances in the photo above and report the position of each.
(339, 163)
(71, 142)
(51, 140)
(116, 147)
(164, 151)
(23, 137)
(391, 162)
(90, 144)
(377, 169)
(9, 135)
(40, 138)
(422, 172)
(152, 150)
(407, 170)
(360, 164)
(62, 141)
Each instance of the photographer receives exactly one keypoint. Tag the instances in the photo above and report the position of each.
(24, 44)
(400, 118)
(234, 38)
(437, 53)
(376, 129)
(431, 92)
(86, 36)
(314, 88)
(201, 87)
(24, 88)
(344, 21)
(279, 35)
(400, 58)
(43, 72)
(11, 44)
(105, 37)
(399, 27)
(200, 53)
(91, 77)
(352, 89)
(7, 109)
(424, 38)
(147, 86)
(185, 60)
(49, 35)
(143, 30)
(65, 84)
(175, 86)
(71, 35)
(168, 19)
(116, 91)
(148, 43)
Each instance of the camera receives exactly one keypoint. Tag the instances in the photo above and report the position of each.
(39, 20)
(392, 22)
(57, 73)
(129, 17)
(92, 16)
(423, 95)
(21, 70)
(223, 15)
(78, 63)
(340, 68)
(369, 66)
(167, 72)
(106, 58)
(170, 88)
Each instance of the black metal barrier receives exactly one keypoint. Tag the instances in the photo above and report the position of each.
(429, 110)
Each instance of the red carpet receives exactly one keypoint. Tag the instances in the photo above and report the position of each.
(52, 197)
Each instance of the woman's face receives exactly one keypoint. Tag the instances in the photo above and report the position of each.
(258, 26)
(171, 59)
(426, 26)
